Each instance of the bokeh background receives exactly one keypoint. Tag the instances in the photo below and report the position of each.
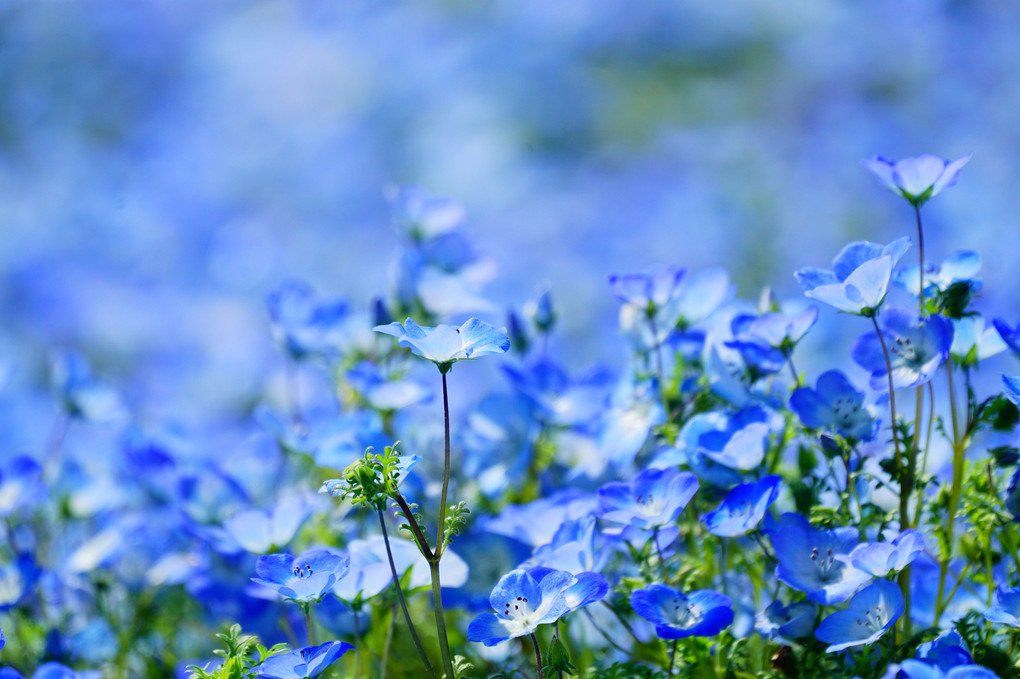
(165, 163)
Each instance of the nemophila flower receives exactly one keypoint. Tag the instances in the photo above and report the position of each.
(958, 268)
(741, 443)
(973, 341)
(21, 485)
(834, 404)
(653, 499)
(915, 669)
(702, 613)
(557, 397)
(946, 651)
(369, 572)
(303, 578)
(743, 508)
(1010, 335)
(302, 663)
(808, 559)
(525, 599)
(859, 278)
(766, 341)
(17, 579)
(444, 344)
(1005, 608)
(625, 423)
(384, 393)
(917, 347)
(916, 179)
(536, 522)
(302, 324)
(795, 621)
(882, 558)
(541, 312)
(648, 292)
(870, 613)
(421, 214)
(575, 548)
(262, 530)
(51, 670)
(80, 392)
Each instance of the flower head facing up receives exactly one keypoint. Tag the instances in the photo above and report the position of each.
(881, 558)
(859, 278)
(444, 344)
(808, 559)
(702, 613)
(834, 404)
(743, 508)
(653, 499)
(302, 663)
(916, 179)
(304, 578)
(871, 612)
(917, 347)
(1005, 608)
(525, 599)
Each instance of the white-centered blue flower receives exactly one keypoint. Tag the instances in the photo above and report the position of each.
(871, 612)
(917, 179)
(859, 278)
(444, 344)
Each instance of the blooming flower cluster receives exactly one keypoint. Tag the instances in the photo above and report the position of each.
(706, 506)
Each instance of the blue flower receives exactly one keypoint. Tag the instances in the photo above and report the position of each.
(795, 621)
(917, 347)
(741, 444)
(81, 393)
(653, 499)
(959, 267)
(303, 325)
(541, 312)
(808, 559)
(1005, 608)
(973, 342)
(259, 531)
(420, 214)
(1010, 335)
(834, 404)
(871, 612)
(648, 292)
(765, 342)
(743, 508)
(385, 394)
(702, 613)
(881, 558)
(303, 578)
(302, 663)
(915, 669)
(444, 344)
(945, 651)
(916, 179)
(859, 278)
(525, 599)
(21, 485)
(17, 580)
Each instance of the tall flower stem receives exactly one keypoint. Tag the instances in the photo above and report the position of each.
(672, 658)
(538, 656)
(402, 601)
(954, 496)
(657, 351)
(308, 623)
(892, 416)
(920, 247)
(437, 594)
(441, 528)
(437, 605)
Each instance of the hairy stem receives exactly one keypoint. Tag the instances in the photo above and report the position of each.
(538, 656)
(441, 528)
(437, 604)
(403, 602)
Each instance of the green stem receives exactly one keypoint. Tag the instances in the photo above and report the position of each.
(662, 560)
(954, 496)
(441, 528)
(403, 602)
(308, 624)
(538, 656)
(927, 445)
(920, 248)
(892, 416)
(672, 658)
(437, 605)
(384, 661)
(660, 373)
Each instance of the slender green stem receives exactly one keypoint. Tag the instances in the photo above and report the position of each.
(920, 248)
(441, 528)
(927, 446)
(662, 559)
(357, 641)
(308, 623)
(403, 602)
(793, 369)
(419, 536)
(892, 416)
(605, 635)
(672, 658)
(538, 656)
(437, 605)
(657, 351)
(954, 496)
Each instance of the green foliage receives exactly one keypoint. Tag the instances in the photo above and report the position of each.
(456, 520)
(243, 653)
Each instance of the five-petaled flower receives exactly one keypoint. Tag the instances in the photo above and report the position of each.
(859, 278)
(305, 578)
(302, 663)
(444, 344)
(702, 613)
(916, 179)
(871, 612)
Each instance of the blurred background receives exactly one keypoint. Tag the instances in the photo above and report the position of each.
(166, 163)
